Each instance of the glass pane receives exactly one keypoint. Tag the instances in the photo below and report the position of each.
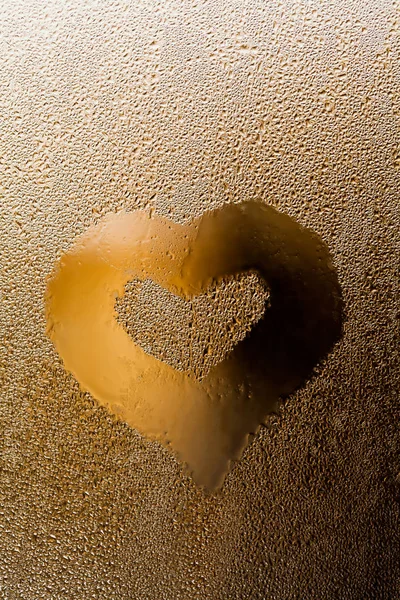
(199, 240)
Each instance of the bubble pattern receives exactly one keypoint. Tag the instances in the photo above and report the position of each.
(179, 107)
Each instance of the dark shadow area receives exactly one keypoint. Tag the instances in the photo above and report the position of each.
(305, 317)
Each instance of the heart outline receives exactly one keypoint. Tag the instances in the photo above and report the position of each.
(206, 424)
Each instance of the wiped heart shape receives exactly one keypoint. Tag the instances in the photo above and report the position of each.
(206, 422)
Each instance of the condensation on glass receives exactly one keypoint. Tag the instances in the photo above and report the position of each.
(206, 413)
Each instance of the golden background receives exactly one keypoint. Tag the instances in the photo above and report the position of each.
(180, 107)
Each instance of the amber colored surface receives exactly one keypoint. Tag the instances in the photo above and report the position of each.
(206, 421)
(178, 108)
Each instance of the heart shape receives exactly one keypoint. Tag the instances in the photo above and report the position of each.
(192, 336)
(208, 422)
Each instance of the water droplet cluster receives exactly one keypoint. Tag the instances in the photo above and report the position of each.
(192, 336)
(179, 107)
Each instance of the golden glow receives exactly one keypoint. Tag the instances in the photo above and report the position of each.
(181, 107)
(207, 421)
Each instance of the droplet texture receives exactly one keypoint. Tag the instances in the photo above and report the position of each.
(178, 108)
(192, 335)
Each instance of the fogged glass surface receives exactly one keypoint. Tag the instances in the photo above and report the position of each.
(178, 111)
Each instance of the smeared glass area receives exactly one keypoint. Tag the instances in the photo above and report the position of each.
(205, 420)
